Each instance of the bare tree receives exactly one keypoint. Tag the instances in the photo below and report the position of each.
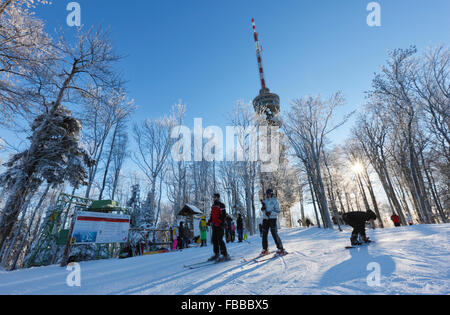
(118, 157)
(25, 49)
(307, 126)
(154, 144)
(121, 111)
(393, 89)
(371, 134)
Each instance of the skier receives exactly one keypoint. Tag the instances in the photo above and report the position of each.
(271, 209)
(240, 227)
(396, 219)
(217, 221)
(357, 220)
(203, 225)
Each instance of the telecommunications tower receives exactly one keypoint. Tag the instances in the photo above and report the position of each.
(267, 106)
(265, 103)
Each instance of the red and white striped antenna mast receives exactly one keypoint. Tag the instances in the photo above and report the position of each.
(258, 55)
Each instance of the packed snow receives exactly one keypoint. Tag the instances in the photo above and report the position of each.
(406, 260)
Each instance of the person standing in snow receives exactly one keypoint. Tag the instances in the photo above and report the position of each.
(357, 220)
(174, 237)
(410, 220)
(182, 235)
(203, 225)
(228, 228)
(240, 227)
(217, 223)
(396, 219)
(271, 209)
(233, 231)
(308, 223)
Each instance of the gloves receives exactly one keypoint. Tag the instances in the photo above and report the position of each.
(268, 214)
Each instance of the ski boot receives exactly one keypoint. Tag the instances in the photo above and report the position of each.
(223, 258)
(281, 252)
(354, 241)
(264, 253)
(214, 258)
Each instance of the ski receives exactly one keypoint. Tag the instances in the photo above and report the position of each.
(205, 264)
(269, 258)
(359, 246)
(198, 264)
(246, 260)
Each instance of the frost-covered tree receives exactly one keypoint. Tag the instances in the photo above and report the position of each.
(154, 144)
(54, 156)
(403, 131)
(118, 156)
(121, 109)
(24, 50)
(307, 126)
(54, 153)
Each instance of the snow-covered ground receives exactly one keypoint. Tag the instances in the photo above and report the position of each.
(407, 260)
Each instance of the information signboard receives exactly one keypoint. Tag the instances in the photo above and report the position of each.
(100, 228)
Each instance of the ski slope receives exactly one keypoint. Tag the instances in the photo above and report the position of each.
(410, 260)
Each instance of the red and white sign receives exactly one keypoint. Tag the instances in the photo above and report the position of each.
(100, 228)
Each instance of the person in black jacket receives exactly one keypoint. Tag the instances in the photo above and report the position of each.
(217, 222)
(357, 220)
(182, 236)
(228, 231)
(240, 228)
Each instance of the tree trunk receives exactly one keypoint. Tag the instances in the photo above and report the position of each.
(108, 161)
(36, 209)
(372, 196)
(16, 200)
(313, 199)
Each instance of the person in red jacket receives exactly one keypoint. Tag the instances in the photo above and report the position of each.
(396, 219)
(217, 222)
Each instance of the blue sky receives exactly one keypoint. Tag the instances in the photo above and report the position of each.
(202, 52)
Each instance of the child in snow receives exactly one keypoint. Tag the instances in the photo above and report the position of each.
(175, 238)
(357, 220)
(203, 225)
